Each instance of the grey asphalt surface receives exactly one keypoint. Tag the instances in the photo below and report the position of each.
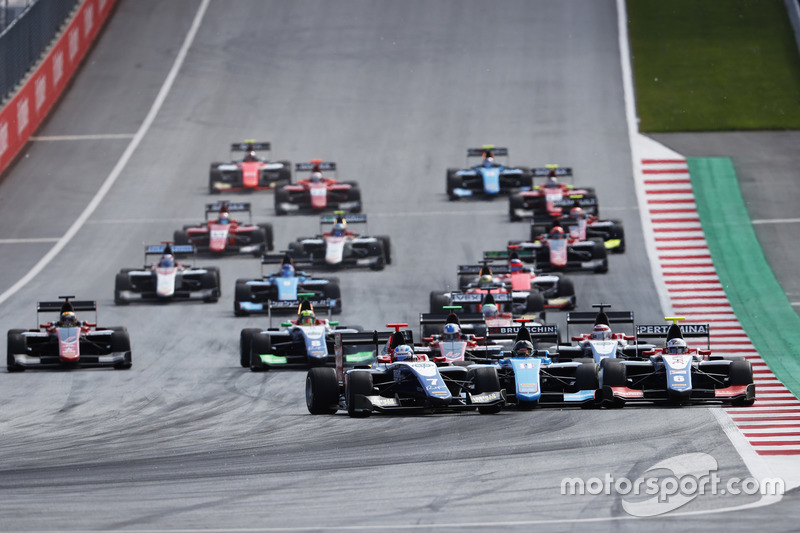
(394, 92)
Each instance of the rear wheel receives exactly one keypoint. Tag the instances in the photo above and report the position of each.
(439, 299)
(359, 383)
(322, 391)
(16, 345)
(180, 237)
(245, 341)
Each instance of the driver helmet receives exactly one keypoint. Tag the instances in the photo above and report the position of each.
(316, 177)
(403, 352)
(451, 332)
(523, 349)
(486, 278)
(251, 156)
(557, 233)
(287, 270)
(224, 218)
(339, 229)
(676, 346)
(307, 318)
(488, 161)
(489, 310)
(577, 213)
(166, 261)
(552, 181)
(68, 319)
(515, 265)
(601, 332)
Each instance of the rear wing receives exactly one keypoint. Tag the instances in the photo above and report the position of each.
(538, 333)
(524, 251)
(322, 166)
(499, 268)
(543, 172)
(458, 298)
(328, 220)
(246, 146)
(64, 305)
(175, 249)
(361, 341)
(668, 331)
(283, 305)
(230, 207)
(494, 150)
(441, 318)
(298, 259)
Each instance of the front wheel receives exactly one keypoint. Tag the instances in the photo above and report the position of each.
(360, 384)
(485, 379)
(16, 345)
(245, 341)
(322, 391)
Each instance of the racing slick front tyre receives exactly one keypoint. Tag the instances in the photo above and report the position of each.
(380, 253)
(599, 252)
(355, 197)
(439, 299)
(245, 341)
(334, 292)
(269, 236)
(453, 182)
(612, 374)
(241, 294)
(259, 345)
(16, 344)
(322, 391)
(485, 379)
(180, 237)
(257, 236)
(281, 197)
(121, 283)
(211, 280)
(534, 303)
(285, 174)
(359, 384)
(741, 373)
(566, 289)
(586, 379)
(387, 248)
(121, 342)
(515, 202)
(214, 177)
(618, 233)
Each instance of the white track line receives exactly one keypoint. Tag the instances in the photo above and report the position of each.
(120, 166)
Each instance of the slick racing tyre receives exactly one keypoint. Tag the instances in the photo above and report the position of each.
(599, 252)
(241, 294)
(453, 182)
(439, 299)
(121, 283)
(16, 345)
(322, 391)
(180, 237)
(515, 202)
(260, 345)
(741, 373)
(281, 197)
(211, 280)
(121, 342)
(359, 384)
(612, 374)
(269, 237)
(534, 303)
(485, 379)
(334, 292)
(387, 248)
(245, 341)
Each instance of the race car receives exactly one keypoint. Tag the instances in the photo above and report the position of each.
(531, 378)
(67, 342)
(558, 291)
(551, 199)
(250, 173)
(305, 341)
(340, 247)
(401, 381)
(167, 279)
(451, 338)
(558, 252)
(225, 235)
(473, 296)
(317, 193)
(675, 373)
(583, 227)
(488, 178)
(253, 295)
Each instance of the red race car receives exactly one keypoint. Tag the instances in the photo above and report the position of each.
(251, 173)
(551, 199)
(225, 235)
(318, 193)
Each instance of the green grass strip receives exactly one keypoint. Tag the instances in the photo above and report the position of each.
(711, 65)
(758, 300)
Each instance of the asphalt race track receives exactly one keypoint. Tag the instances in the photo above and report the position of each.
(394, 92)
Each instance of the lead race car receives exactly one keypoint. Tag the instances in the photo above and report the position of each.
(676, 373)
(250, 173)
(318, 193)
(305, 341)
(401, 381)
(253, 295)
(340, 247)
(226, 235)
(552, 198)
(68, 342)
(167, 279)
(488, 178)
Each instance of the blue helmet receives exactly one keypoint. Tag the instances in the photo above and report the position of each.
(403, 352)
(451, 332)
(287, 270)
(339, 229)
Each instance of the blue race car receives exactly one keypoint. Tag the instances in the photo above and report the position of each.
(254, 295)
(401, 381)
(487, 178)
(531, 378)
